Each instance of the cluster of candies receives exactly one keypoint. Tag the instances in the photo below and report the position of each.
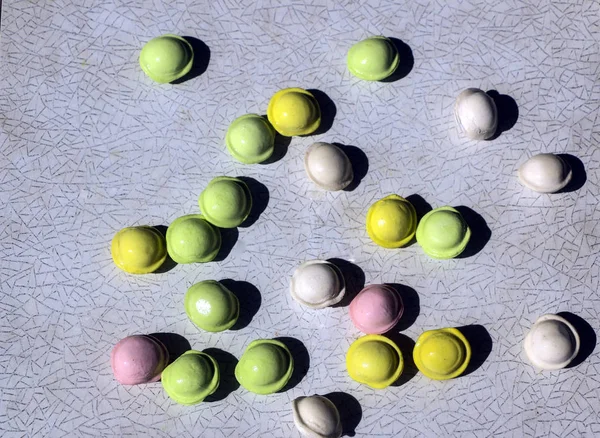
(267, 364)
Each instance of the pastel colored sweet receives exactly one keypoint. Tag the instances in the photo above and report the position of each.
(545, 173)
(476, 114)
(226, 202)
(374, 360)
(328, 166)
(138, 250)
(376, 309)
(192, 239)
(191, 378)
(373, 59)
(211, 306)
(316, 416)
(138, 359)
(317, 284)
(167, 58)
(294, 111)
(250, 139)
(552, 343)
(265, 367)
(443, 233)
(442, 354)
(391, 222)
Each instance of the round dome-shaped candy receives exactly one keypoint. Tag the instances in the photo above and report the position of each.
(294, 111)
(442, 354)
(167, 58)
(328, 166)
(545, 173)
(391, 222)
(192, 239)
(265, 367)
(375, 361)
(316, 417)
(443, 233)
(191, 378)
(476, 114)
(226, 202)
(373, 59)
(376, 309)
(317, 284)
(138, 250)
(138, 359)
(211, 306)
(552, 343)
(250, 139)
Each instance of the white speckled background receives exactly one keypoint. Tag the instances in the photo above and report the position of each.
(90, 145)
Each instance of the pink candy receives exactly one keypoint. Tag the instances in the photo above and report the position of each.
(138, 359)
(376, 309)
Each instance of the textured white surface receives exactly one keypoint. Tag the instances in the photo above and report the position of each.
(90, 145)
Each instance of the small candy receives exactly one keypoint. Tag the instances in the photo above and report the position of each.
(375, 361)
(476, 114)
(552, 343)
(166, 58)
(317, 284)
(294, 111)
(328, 166)
(138, 250)
(442, 354)
(192, 239)
(545, 173)
(391, 222)
(211, 306)
(226, 202)
(373, 59)
(316, 417)
(250, 139)
(443, 233)
(265, 367)
(376, 309)
(191, 378)
(138, 359)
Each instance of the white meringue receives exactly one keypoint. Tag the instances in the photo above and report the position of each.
(476, 114)
(317, 417)
(328, 166)
(317, 284)
(545, 173)
(552, 343)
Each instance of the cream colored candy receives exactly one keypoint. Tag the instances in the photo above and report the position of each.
(317, 417)
(476, 114)
(328, 166)
(545, 173)
(317, 284)
(552, 343)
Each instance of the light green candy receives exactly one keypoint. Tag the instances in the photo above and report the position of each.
(250, 139)
(191, 378)
(265, 367)
(226, 202)
(443, 233)
(373, 59)
(166, 58)
(192, 239)
(211, 306)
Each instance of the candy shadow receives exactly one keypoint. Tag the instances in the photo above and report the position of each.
(481, 345)
(579, 174)
(360, 164)
(349, 409)
(169, 263)
(354, 277)
(227, 363)
(301, 361)
(422, 207)
(508, 112)
(176, 344)
(201, 59)
(250, 300)
(480, 232)
(406, 345)
(412, 306)
(229, 237)
(587, 337)
(328, 111)
(260, 200)
(407, 61)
